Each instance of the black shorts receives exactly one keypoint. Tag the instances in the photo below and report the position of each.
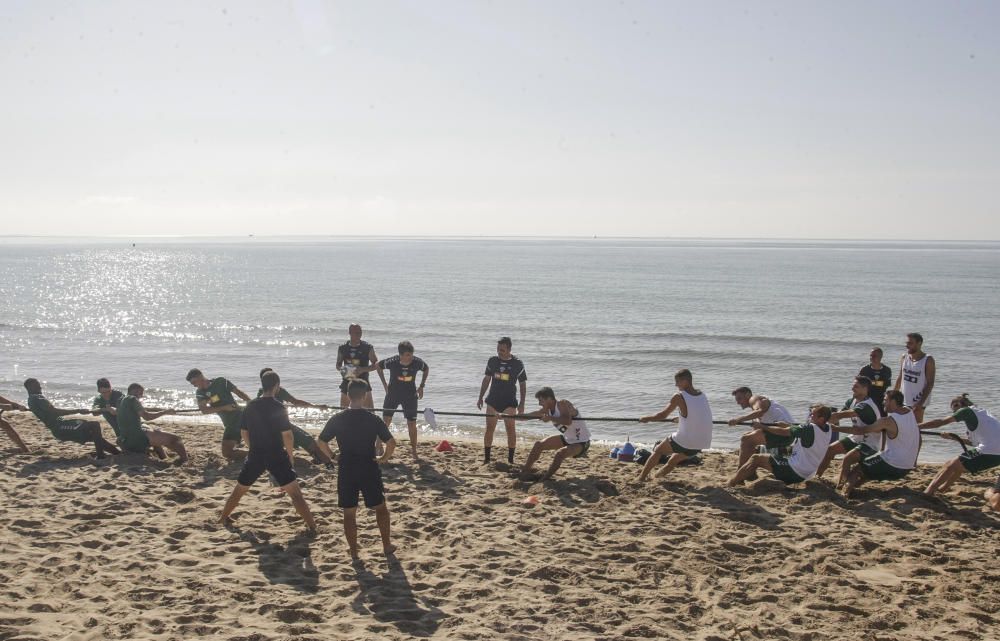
(366, 479)
(502, 403)
(394, 400)
(276, 463)
(347, 381)
(680, 449)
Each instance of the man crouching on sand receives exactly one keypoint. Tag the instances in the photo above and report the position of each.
(264, 425)
(573, 440)
(356, 430)
(809, 445)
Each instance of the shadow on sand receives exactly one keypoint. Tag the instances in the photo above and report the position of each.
(390, 599)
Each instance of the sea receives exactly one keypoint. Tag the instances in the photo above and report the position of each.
(605, 322)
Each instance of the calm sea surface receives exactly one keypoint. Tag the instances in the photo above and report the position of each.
(604, 322)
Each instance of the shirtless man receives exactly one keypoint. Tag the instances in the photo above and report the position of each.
(916, 375)
(764, 410)
(694, 432)
(135, 437)
(215, 396)
(573, 439)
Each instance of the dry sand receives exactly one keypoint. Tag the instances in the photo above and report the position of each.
(130, 549)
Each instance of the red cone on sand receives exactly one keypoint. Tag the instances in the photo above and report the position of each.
(444, 446)
(531, 500)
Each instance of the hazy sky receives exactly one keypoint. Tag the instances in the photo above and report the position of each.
(743, 119)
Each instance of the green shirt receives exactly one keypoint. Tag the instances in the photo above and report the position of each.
(967, 416)
(282, 396)
(130, 421)
(866, 413)
(218, 393)
(805, 433)
(101, 403)
(43, 411)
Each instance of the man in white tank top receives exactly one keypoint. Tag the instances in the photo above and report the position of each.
(573, 439)
(983, 430)
(902, 445)
(916, 375)
(764, 410)
(861, 409)
(694, 432)
(809, 444)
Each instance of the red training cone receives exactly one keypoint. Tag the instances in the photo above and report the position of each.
(444, 446)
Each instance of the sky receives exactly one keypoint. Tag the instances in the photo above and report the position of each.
(868, 120)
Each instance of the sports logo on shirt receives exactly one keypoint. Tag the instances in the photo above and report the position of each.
(405, 379)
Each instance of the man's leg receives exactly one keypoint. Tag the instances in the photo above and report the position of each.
(850, 462)
(749, 469)
(675, 459)
(563, 454)
(100, 444)
(13, 435)
(510, 425)
(369, 400)
(831, 452)
(345, 400)
(228, 447)
(491, 426)
(551, 443)
(351, 530)
(950, 472)
(749, 443)
(918, 413)
(855, 479)
(170, 441)
(654, 459)
(232, 502)
(294, 492)
(382, 516)
(411, 427)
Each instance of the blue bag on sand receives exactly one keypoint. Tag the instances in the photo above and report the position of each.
(614, 452)
(627, 452)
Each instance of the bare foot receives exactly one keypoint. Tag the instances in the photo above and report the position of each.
(389, 549)
(228, 520)
(354, 554)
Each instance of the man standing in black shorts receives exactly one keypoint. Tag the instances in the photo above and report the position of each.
(402, 388)
(880, 375)
(502, 371)
(265, 427)
(351, 355)
(356, 430)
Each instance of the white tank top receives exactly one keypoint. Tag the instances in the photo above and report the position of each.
(694, 431)
(805, 460)
(914, 380)
(902, 451)
(776, 413)
(872, 439)
(986, 436)
(575, 432)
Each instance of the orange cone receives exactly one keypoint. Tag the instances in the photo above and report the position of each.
(531, 500)
(444, 446)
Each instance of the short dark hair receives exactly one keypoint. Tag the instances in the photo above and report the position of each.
(896, 396)
(863, 381)
(405, 347)
(879, 350)
(915, 336)
(824, 411)
(265, 370)
(269, 379)
(103, 383)
(32, 385)
(356, 389)
(133, 388)
(505, 340)
(742, 390)
(193, 373)
(546, 393)
(963, 400)
(684, 374)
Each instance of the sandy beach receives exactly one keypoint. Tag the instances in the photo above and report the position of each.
(131, 549)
